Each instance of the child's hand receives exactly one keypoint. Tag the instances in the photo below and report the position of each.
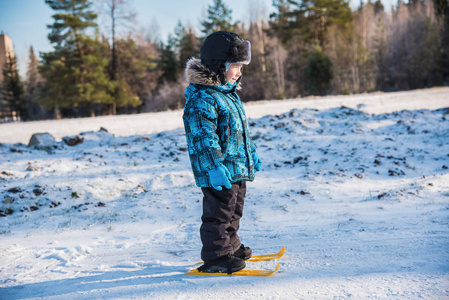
(220, 176)
(257, 162)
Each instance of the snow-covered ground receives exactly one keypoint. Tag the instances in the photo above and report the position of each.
(355, 187)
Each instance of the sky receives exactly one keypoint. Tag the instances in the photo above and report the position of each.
(25, 21)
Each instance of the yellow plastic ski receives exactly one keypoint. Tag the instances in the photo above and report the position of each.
(265, 257)
(243, 272)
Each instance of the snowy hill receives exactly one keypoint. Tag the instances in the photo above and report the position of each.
(355, 187)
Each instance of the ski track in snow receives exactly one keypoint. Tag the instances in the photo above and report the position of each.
(358, 194)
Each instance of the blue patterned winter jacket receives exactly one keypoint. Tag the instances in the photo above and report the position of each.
(216, 127)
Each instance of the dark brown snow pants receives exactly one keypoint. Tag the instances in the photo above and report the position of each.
(222, 211)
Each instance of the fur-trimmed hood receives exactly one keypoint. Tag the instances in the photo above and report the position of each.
(197, 73)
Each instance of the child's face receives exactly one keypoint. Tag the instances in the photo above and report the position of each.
(234, 72)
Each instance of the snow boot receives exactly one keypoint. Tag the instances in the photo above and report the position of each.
(243, 252)
(225, 264)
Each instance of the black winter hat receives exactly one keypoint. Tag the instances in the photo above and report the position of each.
(222, 48)
(226, 46)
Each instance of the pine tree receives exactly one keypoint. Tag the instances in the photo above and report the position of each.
(12, 90)
(378, 7)
(73, 19)
(33, 83)
(219, 17)
(280, 23)
(380, 56)
(169, 63)
(187, 44)
(181, 46)
(189, 47)
(318, 72)
(176, 40)
(77, 62)
(33, 76)
(310, 19)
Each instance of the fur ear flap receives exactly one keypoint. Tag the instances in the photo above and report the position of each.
(241, 53)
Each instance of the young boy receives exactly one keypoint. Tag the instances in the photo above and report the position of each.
(222, 154)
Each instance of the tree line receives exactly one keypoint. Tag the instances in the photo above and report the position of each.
(309, 47)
